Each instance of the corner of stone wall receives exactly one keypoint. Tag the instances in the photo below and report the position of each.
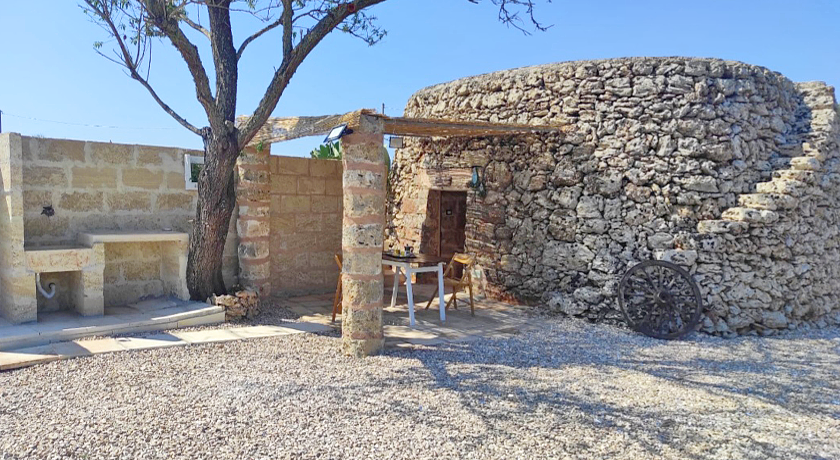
(17, 286)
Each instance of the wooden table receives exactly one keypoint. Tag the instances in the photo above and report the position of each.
(424, 264)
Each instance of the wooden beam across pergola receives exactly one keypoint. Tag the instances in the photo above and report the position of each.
(284, 129)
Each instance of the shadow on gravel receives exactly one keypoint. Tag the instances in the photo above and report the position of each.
(750, 378)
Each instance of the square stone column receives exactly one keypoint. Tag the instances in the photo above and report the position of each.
(362, 239)
(253, 196)
(173, 271)
(18, 303)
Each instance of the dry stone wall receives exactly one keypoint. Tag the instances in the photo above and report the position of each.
(729, 169)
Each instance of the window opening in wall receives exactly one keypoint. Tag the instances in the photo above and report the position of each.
(192, 168)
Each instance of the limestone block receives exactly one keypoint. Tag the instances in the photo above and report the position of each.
(294, 204)
(753, 216)
(686, 258)
(89, 292)
(805, 163)
(92, 177)
(141, 178)
(118, 154)
(81, 201)
(59, 260)
(324, 168)
(20, 304)
(174, 201)
(251, 228)
(284, 184)
(767, 201)
(290, 165)
(129, 201)
(362, 263)
(362, 235)
(365, 179)
(310, 186)
(57, 150)
(361, 205)
(45, 176)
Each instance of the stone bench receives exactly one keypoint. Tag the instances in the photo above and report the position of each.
(87, 263)
(174, 251)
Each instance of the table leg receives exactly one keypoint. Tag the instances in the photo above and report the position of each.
(440, 293)
(410, 295)
(396, 286)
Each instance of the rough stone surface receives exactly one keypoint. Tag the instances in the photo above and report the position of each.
(729, 169)
(242, 304)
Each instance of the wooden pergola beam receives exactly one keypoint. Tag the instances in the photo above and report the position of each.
(284, 129)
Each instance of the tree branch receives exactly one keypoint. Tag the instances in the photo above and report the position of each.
(129, 63)
(258, 34)
(292, 61)
(158, 16)
(225, 62)
(195, 25)
(286, 17)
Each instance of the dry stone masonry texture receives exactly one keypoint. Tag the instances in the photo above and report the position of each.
(728, 169)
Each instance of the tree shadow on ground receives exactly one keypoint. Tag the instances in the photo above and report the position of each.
(747, 381)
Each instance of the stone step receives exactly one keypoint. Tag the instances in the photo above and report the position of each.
(779, 162)
(753, 216)
(813, 152)
(805, 163)
(722, 226)
(769, 201)
(795, 174)
(782, 186)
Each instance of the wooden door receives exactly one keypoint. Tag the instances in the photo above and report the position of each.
(453, 221)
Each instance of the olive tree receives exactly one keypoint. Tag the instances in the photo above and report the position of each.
(133, 25)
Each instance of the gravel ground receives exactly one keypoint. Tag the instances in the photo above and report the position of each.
(565, 389)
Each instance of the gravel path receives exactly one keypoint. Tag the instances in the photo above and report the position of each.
(565, 389)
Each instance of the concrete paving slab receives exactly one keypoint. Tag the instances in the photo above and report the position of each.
(150, 341)
(207, 336)
(98, 346)
(309, 327)
(69, 350)
(27, 357)
(255, 332)
(154, 304)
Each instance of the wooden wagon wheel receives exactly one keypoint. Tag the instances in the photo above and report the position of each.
(660, 299)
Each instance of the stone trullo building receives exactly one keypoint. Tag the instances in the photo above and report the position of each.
(728, 169)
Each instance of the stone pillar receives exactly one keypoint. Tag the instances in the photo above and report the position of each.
(89, 284)
(253, 197)
(362, 239)
(18, 303)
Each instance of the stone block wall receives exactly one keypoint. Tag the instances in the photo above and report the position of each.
(727, 168)
(95, 187)
(306, 216)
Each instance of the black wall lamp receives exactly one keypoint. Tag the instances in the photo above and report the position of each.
(477, 181)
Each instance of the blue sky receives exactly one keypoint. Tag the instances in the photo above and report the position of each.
(50, 71)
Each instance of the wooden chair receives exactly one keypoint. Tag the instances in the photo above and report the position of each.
(337, 299)
(457, 284)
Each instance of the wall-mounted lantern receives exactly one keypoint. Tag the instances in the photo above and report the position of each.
(477, 181)
(395, 142)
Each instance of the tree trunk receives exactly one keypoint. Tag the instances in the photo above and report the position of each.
(216, 200)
